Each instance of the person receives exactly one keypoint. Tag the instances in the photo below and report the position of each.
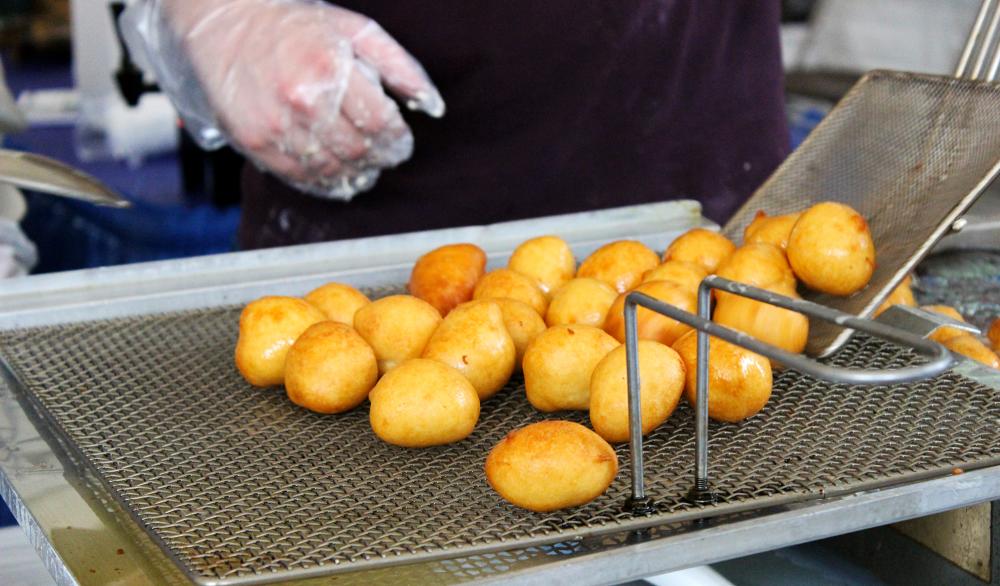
(18, 254)
(552, 107)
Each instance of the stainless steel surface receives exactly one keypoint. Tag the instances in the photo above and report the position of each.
(981, 228)
(76, 531)
(74, 517)
(741, 537)
(19, 564)
(977, 233)
(910, 152)
(231, 278)
(78, 527)
(31, 171)
(240, 485)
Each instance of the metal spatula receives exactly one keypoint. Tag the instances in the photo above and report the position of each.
(31, 171)
(909, 151)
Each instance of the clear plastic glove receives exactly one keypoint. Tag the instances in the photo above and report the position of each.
(295, 85)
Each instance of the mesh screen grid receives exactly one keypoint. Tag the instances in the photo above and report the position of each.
(238, 483)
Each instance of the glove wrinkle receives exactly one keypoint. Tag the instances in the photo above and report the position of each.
(298, 86)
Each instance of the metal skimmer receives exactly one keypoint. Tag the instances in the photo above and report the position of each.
(238, 485)
(910, 152)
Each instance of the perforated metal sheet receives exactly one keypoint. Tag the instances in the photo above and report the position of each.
(237, 484)
(907, 151)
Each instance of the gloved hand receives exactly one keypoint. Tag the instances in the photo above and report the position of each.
(295, 85)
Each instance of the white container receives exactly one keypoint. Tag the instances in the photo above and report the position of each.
(107, 128)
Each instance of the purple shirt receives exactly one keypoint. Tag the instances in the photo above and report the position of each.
(560, 106)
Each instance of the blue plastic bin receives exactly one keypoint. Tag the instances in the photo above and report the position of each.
(73, 235)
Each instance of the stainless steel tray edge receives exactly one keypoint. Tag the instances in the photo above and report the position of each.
(73, 523)
(770, 531)
(237, 277)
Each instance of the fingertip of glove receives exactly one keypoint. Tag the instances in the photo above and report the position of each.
(428, 102)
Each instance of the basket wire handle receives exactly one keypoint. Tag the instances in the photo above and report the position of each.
(641, 504)
(984, 37)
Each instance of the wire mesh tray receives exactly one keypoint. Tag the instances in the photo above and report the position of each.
(239, 485)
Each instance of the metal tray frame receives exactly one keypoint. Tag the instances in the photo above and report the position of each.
(34, 464)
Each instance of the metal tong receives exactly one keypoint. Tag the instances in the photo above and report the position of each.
(940, 359)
